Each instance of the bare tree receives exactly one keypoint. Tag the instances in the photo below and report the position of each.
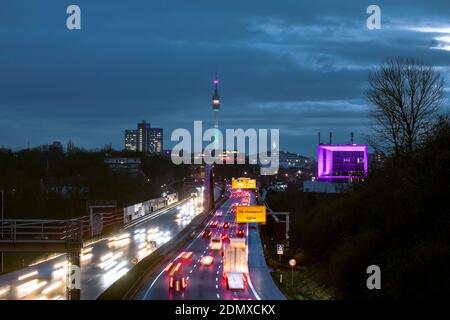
(405, 97)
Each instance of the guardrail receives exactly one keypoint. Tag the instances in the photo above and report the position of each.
(41, 231)
(129, 285)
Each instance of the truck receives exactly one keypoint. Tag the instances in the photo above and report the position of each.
(235, 267)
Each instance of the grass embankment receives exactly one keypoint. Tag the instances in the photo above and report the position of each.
(304, 283)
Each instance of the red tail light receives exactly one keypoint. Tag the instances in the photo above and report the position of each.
(171, 282)
(183, 282)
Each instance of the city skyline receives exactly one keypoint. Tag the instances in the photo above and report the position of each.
(300, 68)
(228, 158)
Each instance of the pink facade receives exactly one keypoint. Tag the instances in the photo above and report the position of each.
(342, 161)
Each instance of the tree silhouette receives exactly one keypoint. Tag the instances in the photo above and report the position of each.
(404, 96)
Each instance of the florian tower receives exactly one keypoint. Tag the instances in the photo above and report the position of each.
(208, 197)
(216, 108)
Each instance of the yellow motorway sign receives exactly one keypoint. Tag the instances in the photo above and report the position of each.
(243, 183)
(251, 184)
(246, 214)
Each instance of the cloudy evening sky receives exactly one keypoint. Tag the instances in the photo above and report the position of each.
(300, 66)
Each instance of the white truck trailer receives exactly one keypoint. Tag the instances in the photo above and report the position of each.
(235, 267)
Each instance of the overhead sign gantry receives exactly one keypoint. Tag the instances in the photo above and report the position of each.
(243, 183)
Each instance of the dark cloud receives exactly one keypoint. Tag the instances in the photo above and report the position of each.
(300, 67)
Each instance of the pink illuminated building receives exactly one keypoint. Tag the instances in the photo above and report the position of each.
(342, 162)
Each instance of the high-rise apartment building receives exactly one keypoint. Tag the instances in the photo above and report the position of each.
(131, 140)
(156, 140)
(144, 139)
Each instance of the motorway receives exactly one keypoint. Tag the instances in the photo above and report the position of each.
(102, 262)
(206, 282)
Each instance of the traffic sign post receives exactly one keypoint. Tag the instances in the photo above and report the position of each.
(280, 250)
(73, 280)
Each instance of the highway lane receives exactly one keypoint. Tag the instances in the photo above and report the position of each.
(102, 262)
(259, 271)
(206, 282)
(203, 282)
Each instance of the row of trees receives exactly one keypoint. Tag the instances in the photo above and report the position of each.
(25, 173)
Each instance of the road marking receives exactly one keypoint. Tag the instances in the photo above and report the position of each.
(154, 281)
(218, 296)
(249, 281)
(217, 286)
(159, 275)
(217, 279)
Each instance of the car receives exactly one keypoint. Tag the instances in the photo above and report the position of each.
(224, 236)
(215, 244)
(207, 233)
(240, 233)
(214, 224)
(185, 256)
(226, 225)
(177, 280)
(219, 213)
(206, 260)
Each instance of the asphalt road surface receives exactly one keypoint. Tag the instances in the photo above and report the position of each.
(102, 262)
(206, 282)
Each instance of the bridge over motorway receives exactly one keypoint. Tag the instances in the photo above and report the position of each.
(101, 262)
(47, 236)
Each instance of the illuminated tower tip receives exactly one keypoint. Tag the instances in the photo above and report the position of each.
(216, 97)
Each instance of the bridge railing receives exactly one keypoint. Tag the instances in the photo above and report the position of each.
(41, 231)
